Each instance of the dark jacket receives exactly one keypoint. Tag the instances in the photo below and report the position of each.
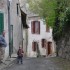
(20, 52)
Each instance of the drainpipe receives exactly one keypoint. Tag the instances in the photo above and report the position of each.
(8, 1)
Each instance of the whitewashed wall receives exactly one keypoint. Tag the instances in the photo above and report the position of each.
(24, 41)
(38, 37)
(16, 22)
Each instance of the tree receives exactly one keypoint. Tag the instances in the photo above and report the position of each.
(45, 9)
(55, 14)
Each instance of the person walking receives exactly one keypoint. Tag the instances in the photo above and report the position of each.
(20, 55)
(3, 44)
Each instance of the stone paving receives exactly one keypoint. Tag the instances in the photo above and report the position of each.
(9, 61)
(53, 63)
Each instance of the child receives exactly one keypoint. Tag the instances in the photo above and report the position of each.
(20, 55)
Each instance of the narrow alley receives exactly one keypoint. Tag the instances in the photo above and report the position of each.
(37, 31)
(53, 63)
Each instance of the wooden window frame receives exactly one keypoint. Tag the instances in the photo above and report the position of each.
(33, 27)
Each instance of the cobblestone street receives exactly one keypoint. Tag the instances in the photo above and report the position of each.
(41, 64)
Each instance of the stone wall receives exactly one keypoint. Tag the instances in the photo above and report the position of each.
(63, 47)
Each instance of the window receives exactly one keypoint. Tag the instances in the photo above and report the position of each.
(34, 46)
(47, 28)
(43, 43)
(1, 22)
(35, 27)
(17, 9)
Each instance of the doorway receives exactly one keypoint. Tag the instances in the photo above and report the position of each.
(49, 48)
(35, 48)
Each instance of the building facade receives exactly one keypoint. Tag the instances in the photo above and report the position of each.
(10, 22)
(24, 25)
(15, 26)
(40, 41)
(37, 39)
(4, 24)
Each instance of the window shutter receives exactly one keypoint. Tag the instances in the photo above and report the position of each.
(33, 27)
(39, 27)
(1, 22)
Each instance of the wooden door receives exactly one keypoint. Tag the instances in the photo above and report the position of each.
(49, 48)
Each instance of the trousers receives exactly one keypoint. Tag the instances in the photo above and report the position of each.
(2, 52)
(20, 59)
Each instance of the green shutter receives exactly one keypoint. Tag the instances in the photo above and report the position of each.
(1, 22)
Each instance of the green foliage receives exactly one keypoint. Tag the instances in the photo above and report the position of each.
(55, 12)
(63, 16)
(67, 20)
(45, 9)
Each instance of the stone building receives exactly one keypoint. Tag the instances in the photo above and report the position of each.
(40, 41)
(24, 25)
(11, 22)
(15, 25)
(4, 23)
